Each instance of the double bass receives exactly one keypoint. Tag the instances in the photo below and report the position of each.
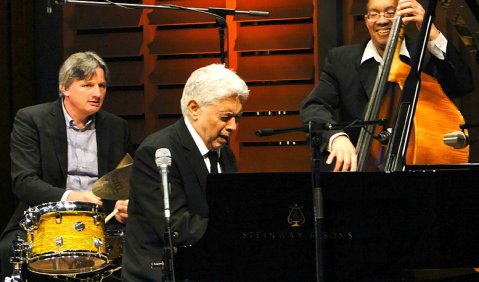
(420, 125)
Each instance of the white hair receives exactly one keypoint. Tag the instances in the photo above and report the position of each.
(210, 84)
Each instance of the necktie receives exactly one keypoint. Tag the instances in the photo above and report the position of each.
(213, 157)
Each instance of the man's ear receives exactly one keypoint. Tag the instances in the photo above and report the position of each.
(64, 90)
(193, 109)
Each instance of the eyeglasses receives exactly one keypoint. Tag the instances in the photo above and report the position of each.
(374, 16)
(228, 117)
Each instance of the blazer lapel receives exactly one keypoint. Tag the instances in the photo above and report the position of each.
(193, 155)
(102, 133)
(227, 164)
(57, 129)
(367, 75)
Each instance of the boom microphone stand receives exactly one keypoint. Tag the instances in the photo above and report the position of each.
(219, 14)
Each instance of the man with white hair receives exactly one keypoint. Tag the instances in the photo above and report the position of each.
(211, 105)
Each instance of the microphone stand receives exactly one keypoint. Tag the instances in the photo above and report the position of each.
(468, 125)
(314, 131)
(169, 266)
(219, 14)
(316, 128)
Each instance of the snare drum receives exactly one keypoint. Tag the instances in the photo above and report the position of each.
(65, 238)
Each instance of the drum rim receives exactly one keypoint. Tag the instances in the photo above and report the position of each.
(66, 206)
(67, 254)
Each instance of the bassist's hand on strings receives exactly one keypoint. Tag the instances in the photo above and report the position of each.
(345, 154)
(412, 11)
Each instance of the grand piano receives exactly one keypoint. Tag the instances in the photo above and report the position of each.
(401, 226)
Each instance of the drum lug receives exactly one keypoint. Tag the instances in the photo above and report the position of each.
(98, 243)
(30, 222)
(97, 219)
(58, 218)
(59, 241)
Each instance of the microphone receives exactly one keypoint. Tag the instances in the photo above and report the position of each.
(456, 139)
(265, 132)
(384, 136)
(257, 13)
(163, 161)
(225, 11)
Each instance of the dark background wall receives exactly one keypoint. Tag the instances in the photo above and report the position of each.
(30, 55)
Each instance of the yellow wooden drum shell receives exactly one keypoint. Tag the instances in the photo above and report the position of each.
(67, 241)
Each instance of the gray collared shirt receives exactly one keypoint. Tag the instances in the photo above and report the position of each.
(82, 156)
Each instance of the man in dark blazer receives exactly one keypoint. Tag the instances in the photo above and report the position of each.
(46, 166)
(349, 73)
(211, 105)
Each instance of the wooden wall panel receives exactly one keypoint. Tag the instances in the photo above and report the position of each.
(274, 158)
(167, 101)
(127, 44)
(124, 102)
(89, 17)
(126, 73)
(185, 41)
(276, 58)
(275, 37)
(268, 98)
(276, 67)
(151, 53)
(174, 72)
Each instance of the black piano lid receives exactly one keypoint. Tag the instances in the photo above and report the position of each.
(377, 225)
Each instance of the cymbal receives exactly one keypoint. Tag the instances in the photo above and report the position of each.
(115, 184)
(126, 160)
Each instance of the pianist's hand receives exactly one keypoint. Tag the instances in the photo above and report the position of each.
(345, 154)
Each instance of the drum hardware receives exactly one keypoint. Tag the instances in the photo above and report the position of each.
(58, 218)
(80, 226)
(59, 242)
(97, 219)
(17, 260)
(98, 243)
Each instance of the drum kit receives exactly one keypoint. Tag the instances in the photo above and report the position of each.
(69, 241)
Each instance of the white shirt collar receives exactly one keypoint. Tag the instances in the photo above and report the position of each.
(196, 137)
(371, 52)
